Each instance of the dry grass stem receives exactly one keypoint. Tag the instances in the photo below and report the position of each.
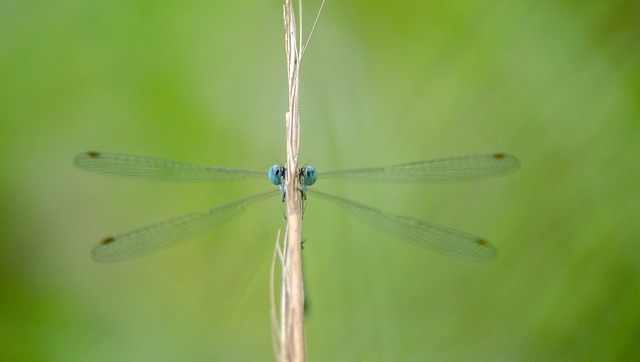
(292, 344)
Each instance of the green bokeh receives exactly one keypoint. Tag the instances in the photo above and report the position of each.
(554, 83)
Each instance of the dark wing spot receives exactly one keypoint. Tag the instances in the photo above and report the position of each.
(93, 154)
(481, 242)
(107, 241)
(499, 155)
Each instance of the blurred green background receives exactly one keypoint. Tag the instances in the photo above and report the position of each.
(554, 83)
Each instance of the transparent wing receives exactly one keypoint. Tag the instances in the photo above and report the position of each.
(162, 234)
(149, 168)
(433, 236)
(441, 170)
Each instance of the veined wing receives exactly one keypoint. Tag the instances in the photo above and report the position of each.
(442, 170)
(433, 236)
(165, 233)
(148, 168)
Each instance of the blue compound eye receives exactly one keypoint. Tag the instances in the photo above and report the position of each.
(276, 174)
(308, 175)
